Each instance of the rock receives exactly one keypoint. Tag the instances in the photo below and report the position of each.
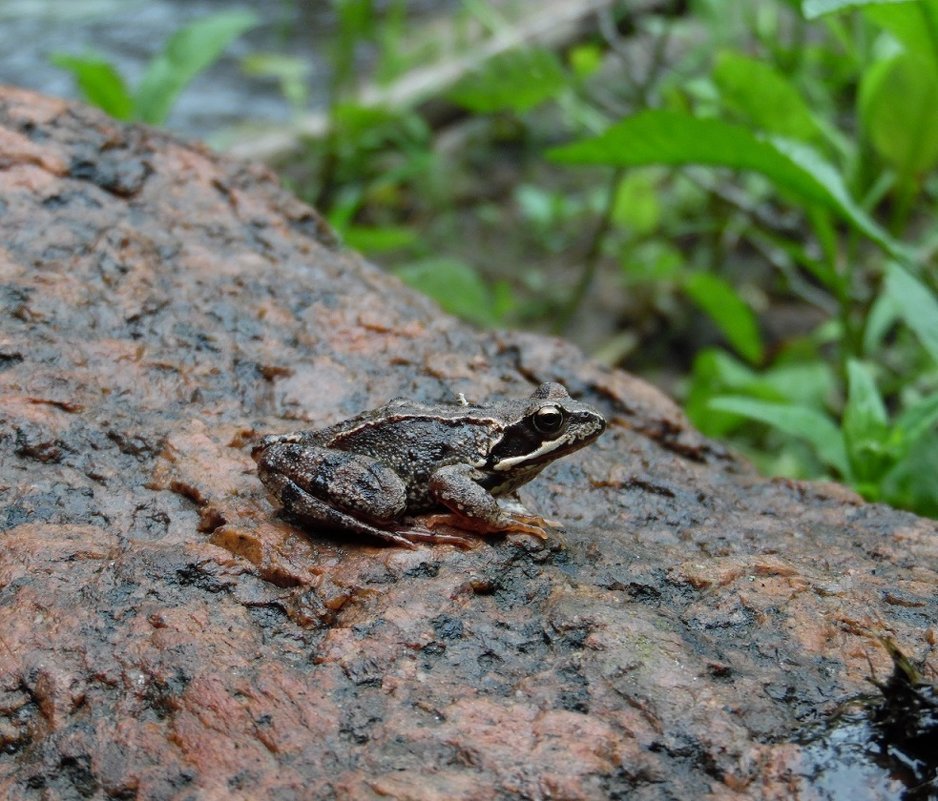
(166, 635)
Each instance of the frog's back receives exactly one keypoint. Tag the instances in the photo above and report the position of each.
(413, 440)
(413, 434)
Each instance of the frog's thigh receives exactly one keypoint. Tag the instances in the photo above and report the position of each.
(356, 484)
(309, 508)
(454, 487)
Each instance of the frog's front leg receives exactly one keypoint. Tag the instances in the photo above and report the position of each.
(326, 487)
(473, 507)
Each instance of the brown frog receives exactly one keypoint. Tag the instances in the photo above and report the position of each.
(371, 474)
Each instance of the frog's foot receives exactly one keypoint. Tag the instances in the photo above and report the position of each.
(512, 506)
(509, 523)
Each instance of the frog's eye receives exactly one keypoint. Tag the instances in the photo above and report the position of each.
(549, 419)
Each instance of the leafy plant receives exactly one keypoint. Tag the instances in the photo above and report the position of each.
(754, 119)
(660, 136)
(189, 51)
(867, 449)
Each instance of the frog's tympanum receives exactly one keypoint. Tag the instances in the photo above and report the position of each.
(372, 474)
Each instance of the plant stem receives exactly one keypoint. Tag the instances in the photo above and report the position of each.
(906, 191)
(841, 273)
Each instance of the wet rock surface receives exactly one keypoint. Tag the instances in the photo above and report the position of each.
(166, 635)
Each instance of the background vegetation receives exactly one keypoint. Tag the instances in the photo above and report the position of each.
(736, 200)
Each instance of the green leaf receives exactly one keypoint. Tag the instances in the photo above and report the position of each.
(659, 136)
(916, 304)
(516, 81)
(636, 204)
(188, 52)
(917, 422)
(810, 383)
(291, 72)
(454, 285)
(723, 305)
(864, 405)
(585, 59)
(357, 19)
(715, 372)
(865, 425)
(655, 261)
(883, 315)
(99, 82)
(368, 239)
(912, 483)
(917, 419)
(797, 421)
(764, 96)
(914, 24)
(354, 122)
(898, 105)
(812, 9)
(356, 23)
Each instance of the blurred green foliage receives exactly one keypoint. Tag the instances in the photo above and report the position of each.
(188, 52)
(715, 167)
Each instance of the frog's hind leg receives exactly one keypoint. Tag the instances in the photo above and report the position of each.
(333, 489)
(319, 514)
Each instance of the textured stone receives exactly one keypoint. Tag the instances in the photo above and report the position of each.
(165, 635)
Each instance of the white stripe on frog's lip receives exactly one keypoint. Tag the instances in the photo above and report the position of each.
(547, 447)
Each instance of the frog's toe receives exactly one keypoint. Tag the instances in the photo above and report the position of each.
(399, 539)
(527, 526)
(421, 534)
(531, 524)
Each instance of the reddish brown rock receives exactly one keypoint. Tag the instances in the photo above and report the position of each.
(165, 635)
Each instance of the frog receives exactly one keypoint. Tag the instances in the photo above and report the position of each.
(401, 471)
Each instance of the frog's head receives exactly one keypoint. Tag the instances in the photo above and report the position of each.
(545, 427)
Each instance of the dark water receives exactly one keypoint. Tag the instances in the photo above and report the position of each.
(846, 764)
(129, 32)
(885, 748)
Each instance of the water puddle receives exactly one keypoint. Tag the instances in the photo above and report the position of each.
(885, 747)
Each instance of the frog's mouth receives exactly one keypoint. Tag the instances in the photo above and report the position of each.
(525, 448)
